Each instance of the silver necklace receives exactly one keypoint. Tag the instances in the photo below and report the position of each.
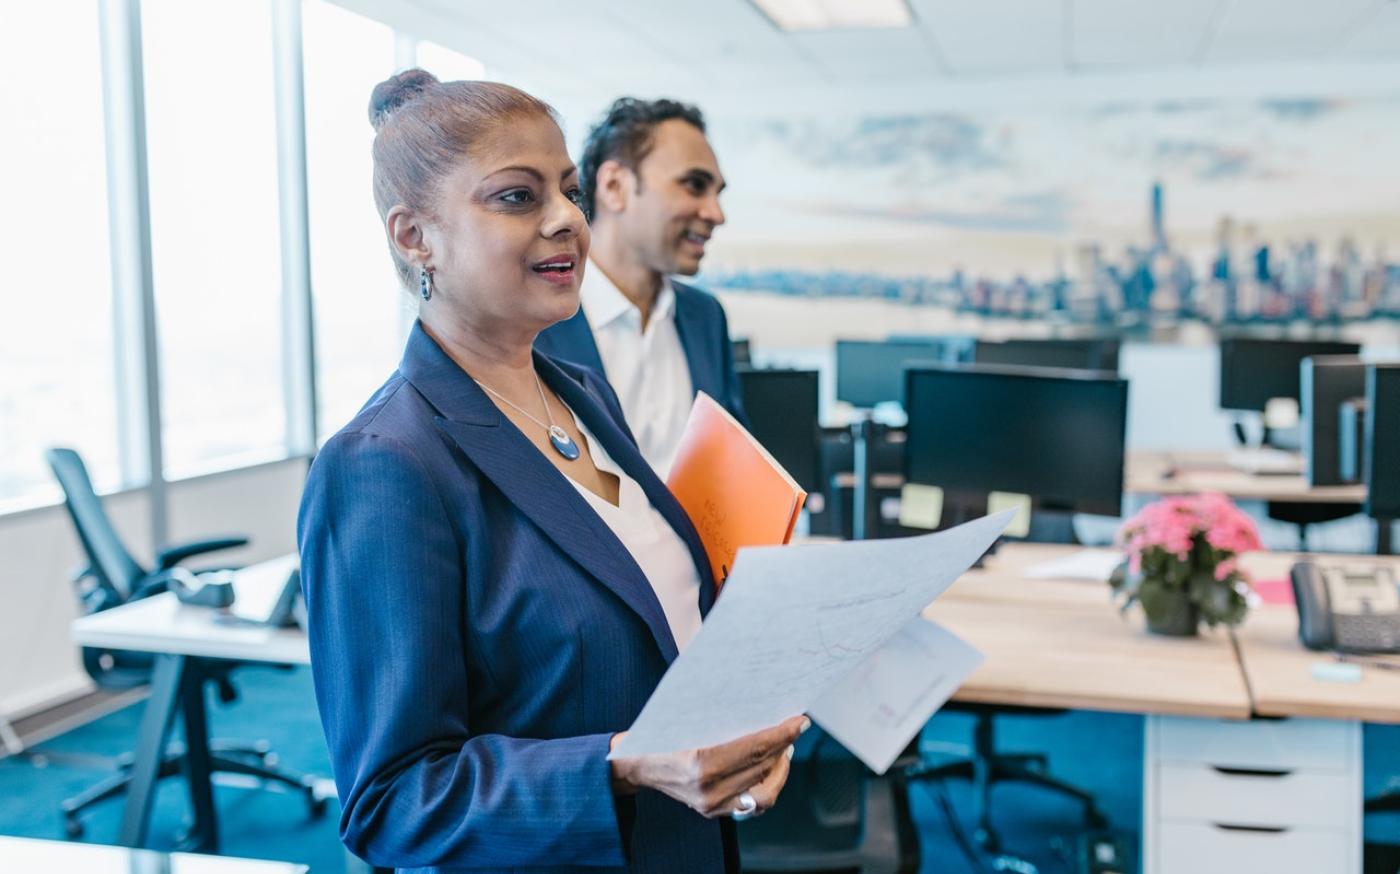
(558, 437)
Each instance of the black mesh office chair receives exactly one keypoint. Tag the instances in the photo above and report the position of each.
(1387, 802)
(986, 767)
(835, 815)
(1303, 514)
(112, 577)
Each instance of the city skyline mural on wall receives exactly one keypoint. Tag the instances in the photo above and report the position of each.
(1217, 209)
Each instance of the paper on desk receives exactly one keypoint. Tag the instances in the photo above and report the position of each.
(1094, 565)
(875, 709)
(792, 623)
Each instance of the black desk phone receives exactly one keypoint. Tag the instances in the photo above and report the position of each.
(1347, 607)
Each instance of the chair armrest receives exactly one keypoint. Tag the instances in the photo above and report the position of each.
(152, 584)
(170, 556)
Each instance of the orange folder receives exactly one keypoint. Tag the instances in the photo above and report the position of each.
(735, 493)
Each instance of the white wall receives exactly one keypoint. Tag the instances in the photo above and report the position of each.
(39, 666)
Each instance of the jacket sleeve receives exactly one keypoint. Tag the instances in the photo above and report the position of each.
(385, 580)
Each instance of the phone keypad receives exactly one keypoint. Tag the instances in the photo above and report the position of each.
(1367, 632)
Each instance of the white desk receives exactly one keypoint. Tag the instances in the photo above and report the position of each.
(163, 625)
(187, 642)
(32, 856)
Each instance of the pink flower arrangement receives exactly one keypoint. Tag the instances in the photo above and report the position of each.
(1183, 555)
(1173, 524)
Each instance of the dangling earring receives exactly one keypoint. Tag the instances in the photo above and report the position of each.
(425, 283)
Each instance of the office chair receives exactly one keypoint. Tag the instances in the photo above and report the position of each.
(111, 578)
(986, 767)
(834, 815)
(1386, 803)
(1304, 514)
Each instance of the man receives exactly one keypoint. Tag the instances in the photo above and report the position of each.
(651, 187)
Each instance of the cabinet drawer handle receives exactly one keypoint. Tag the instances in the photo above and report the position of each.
(1252, 772)
(1257, 829)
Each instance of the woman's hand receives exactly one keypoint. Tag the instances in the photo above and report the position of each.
(711, 780)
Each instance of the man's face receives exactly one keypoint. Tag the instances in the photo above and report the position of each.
(673, 208)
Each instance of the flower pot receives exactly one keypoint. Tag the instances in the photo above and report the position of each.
(1176, 617)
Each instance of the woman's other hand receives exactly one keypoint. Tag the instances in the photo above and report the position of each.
(711, 780)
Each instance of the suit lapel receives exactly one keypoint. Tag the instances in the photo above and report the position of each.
(690, 327)
(625, 453)
(529, 481)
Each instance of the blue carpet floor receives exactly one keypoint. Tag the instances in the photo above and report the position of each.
(1097, 751)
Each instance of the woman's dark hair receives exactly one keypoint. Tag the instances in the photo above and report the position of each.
(624, 135)
(424, 127)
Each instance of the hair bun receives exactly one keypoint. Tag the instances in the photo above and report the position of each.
(395, 91)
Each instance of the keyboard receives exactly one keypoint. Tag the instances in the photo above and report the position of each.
(1263, 461)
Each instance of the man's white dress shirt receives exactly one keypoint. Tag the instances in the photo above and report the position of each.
(647, 368)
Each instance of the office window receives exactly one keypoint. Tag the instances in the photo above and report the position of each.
(212, 151)
(360, 310)
(56, 343)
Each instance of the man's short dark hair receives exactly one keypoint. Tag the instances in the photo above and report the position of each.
(624, 135)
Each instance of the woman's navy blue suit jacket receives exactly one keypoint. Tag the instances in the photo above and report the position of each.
(478, 634)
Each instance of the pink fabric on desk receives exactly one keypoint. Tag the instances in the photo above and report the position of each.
(1278, 591)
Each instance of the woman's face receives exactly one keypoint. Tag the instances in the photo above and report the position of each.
(507, 241)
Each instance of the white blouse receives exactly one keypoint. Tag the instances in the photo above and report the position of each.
(659, 551)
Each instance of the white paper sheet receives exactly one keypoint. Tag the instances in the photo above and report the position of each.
(791, 623)
(1092, 565)
(875, 710)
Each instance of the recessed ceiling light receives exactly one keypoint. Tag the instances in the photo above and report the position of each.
(836, 14)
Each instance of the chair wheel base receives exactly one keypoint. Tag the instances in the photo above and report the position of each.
(987, 840)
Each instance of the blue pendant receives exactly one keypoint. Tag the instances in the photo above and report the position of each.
(563, 443)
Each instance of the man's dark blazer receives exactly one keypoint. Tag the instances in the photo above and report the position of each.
(478, 634)
(704, 334)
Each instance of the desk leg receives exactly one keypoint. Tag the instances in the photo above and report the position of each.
(205, 833)
(150, 748)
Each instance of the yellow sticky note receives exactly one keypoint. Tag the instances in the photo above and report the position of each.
(1021, 523)
(920, 506)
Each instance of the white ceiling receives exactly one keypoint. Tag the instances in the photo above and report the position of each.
(727, 51)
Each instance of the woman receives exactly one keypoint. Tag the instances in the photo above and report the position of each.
(495, 580)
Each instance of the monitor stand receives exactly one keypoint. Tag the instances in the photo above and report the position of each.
(864, 433)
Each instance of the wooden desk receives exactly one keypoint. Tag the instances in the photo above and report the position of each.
(1052, 643)
(1147, 473)
(1279, 670)
(1219, 794)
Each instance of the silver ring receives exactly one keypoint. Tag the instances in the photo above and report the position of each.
(747, 806)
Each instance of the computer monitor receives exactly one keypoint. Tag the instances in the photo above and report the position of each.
(1082, 354)
(1254, 371)
(1325, 383)
(953, 348)
(782, 410)
(1056, 435)
(870, 372)
(1383, 441)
